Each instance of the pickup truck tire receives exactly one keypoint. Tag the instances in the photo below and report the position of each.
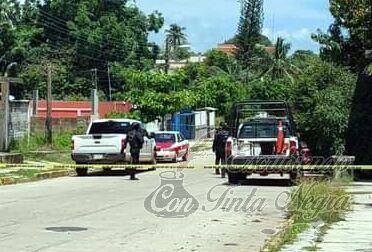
(235, 177)
(81, 172)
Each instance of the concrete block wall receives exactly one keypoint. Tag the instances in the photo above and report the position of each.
(20, 119)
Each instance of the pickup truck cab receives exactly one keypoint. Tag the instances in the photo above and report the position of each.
(105, 142)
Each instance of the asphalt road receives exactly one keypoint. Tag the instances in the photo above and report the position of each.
(111, 213)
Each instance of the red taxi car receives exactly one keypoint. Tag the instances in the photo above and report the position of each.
(171, 146)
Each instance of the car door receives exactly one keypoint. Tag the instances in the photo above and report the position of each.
(182, 143)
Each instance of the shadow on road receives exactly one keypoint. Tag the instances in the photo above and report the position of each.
(113, 173)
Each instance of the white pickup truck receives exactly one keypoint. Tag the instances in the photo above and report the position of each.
(105, 143)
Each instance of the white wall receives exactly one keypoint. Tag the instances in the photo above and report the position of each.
(153, 126)
(212, 119)
(201, 118)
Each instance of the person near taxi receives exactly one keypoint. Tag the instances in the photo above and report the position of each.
(136, 140)
(219, 144)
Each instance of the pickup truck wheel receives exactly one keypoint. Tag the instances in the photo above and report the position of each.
(235, 177)
(81, 172)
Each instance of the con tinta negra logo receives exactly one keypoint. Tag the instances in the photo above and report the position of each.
(170, 199)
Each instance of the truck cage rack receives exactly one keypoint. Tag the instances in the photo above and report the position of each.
(273, 106)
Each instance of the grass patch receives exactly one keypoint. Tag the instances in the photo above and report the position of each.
(201, 147)
(22, 173)
(36, 142)
(57, 157)
(35, 148)
(310, 248)
(311, 201)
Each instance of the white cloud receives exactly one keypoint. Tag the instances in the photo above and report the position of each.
(298, 38)
(301, 34)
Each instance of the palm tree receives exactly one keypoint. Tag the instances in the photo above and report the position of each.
(175, 37)
(279, 66)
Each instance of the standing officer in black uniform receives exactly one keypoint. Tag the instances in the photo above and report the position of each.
(219, 145)
(136, 140)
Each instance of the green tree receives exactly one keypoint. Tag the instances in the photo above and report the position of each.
(80, 35)
(350, 35)
(279, 65)
(155, 94)
(175, 36)
(322, 100)
(249, 31)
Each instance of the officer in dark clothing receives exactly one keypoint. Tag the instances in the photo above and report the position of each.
(219, 145)
(136, 140)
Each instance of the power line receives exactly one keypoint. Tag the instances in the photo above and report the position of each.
(77, 54)
(64, 22)
(56, 25)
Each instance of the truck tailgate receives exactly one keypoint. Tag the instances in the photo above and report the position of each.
(98, 143)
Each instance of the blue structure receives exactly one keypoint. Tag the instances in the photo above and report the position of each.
(184, 122)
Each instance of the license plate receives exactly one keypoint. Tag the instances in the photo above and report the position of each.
(97, 156)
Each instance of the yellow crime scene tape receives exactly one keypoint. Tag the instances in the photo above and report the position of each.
(182, 166)
(133, 167)
(8, 166)
(93, 166)
(290, 167)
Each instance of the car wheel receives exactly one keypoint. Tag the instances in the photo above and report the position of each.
(174, 160)
(81, 172)
(235, 177)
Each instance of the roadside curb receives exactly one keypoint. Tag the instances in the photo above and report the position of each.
(40, 176)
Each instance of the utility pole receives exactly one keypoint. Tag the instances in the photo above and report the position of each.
(94, 78)
(109, 81)
(49, 121)
(4, 105)
(167, 56)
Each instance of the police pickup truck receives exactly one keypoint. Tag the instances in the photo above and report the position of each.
(105, 142)
(262, 133)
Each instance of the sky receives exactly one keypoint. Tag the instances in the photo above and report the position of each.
(209, 22)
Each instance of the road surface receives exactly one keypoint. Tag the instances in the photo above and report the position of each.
(108, 213)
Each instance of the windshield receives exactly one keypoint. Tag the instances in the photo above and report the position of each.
(109, 127)
(262, 130)
(165, 138)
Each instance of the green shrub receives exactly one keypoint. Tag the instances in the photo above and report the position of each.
(318, 201)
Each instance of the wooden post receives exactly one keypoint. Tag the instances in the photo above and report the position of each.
(49, 122)
(4, 83)
(35, 99)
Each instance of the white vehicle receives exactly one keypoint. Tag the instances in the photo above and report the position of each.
(171, 146)
(105, 143)
(255, 137)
